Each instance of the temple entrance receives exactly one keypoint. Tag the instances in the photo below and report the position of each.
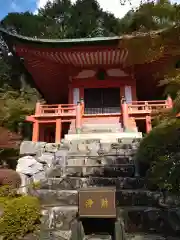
(102, 100)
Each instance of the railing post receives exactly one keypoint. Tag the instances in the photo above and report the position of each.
(169, 101)
(148, 124)
(38, 108)
(125, 115)
(82, 106)
(82, 110)
(78, 117)
(146, 106)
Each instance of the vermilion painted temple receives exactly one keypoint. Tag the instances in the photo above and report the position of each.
(88, 81)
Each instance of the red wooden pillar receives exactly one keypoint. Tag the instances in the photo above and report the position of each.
(35, 135)
(78, 118)
(58, 130)
(125, 115)
(148, 124)
(169, 102)
(38, 108)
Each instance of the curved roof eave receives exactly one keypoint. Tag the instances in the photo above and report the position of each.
(8, 36)
(59, 42)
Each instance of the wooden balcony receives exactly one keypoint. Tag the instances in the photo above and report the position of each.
(70, 110)
(147, 107)
(127, 113)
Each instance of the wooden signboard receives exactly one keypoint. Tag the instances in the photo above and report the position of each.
(97, 202)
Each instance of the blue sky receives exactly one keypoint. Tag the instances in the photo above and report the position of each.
(7, 6)
(113, 6)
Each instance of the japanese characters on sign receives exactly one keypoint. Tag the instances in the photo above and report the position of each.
(97, 202)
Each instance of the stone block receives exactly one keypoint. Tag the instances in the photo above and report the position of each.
(55, 235)
(123, 170)
(25, 184)
(73, 183)
(58, 197)
(93, 148)
(29, 165)
(98, 237)
(89, 171)
(54, 172)
(70, 183)
(52, 147)
(106, 146)
(32, 148)
(59, 218)
(44, 234)
(141, 236)
(82, 147)
(47, 158)
(61, 156)
(75, 166)
(39, 176)
(137, 198)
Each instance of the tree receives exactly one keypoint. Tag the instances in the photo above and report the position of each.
(25, 24)
(151, 15)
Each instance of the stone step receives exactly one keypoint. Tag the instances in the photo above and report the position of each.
(74, 183)
(97, 237)
(144, 236)
(137, 219)
(129, 140)
(52, 234)
(74, 169)
(107, 149)
(98, 128)
(109, 137)
(85, 131)
(123, 197)
(57, 197)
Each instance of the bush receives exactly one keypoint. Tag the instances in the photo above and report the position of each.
(161, 141)
(10, 177)
(21, 215)
(159, 151)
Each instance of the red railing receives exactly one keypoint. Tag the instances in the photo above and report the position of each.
(136, 107)
(55, 109)
(139, 107)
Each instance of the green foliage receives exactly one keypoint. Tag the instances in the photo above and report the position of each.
(21, 215)
(8, 191)
(165, 173)
(9, 156)
(161, 141)
(172, 87)
(160, 149)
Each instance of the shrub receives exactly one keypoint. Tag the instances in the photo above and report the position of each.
(161, 141)
(21, 215)
(160, 152)
(10, 177)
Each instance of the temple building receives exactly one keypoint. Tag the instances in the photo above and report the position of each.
(91, 81)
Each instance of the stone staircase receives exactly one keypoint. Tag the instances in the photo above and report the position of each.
(78, 163)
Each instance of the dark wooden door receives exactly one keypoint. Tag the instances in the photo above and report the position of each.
(102, 100)
(111, 100)
(93, 100)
